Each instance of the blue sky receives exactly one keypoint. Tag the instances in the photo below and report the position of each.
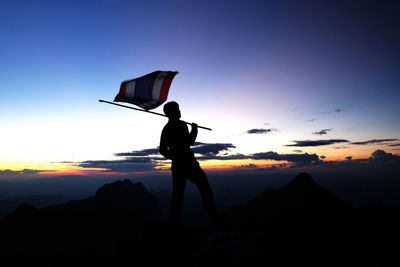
(243, 65)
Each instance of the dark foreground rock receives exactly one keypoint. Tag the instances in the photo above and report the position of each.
(123, 225)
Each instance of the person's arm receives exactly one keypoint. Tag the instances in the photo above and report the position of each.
(164, 150)
(193, 134)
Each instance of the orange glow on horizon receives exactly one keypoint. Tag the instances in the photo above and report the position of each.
(230, 164)
(67, 168)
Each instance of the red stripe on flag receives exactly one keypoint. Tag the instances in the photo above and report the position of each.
(122, 92)
(165, 86)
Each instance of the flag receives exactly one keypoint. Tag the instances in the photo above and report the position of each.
(148, 91)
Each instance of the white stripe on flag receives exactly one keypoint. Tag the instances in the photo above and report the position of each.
(157, 85)
(130, 89)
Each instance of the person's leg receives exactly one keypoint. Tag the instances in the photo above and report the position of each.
(199, 178)
(178, 187)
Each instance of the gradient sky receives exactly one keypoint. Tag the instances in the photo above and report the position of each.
(289, 69)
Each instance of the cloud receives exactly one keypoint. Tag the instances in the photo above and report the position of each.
(134, 161)
(261, 131)
(304, 143)
(249, 166)
(124, 165)
(324, 131)
(140, 160)
(21, 172)
(394, 145)
(336, 110)
(211, 148)
(382, 156)
(222, 157)
(298, 159)
(373, 141)
(312, 120)
(378, 158)
(144, 152)
(198, 148)
(149, 159)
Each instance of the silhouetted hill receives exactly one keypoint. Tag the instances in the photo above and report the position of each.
(299, 201)
(39, 201)
(120, 198)
(120, 216)
(123, 225)
(22, 213)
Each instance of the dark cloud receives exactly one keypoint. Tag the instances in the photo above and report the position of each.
(312, 120)
(21, 172)
(378, 158)
(373, 141)
(394, 145)
(145, 160)
(144, 152)
(121, 161)
(149, 159)
(135, 161)
(297, 151)
(249, 166)
(336, 110)
(304, 143)
(382, 156)
(124, 165)
(324, 131)
(212, 148)
(198, 148)
(261, 131)
(222, 157)
(298, 159)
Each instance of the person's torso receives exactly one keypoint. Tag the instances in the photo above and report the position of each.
(177, 139)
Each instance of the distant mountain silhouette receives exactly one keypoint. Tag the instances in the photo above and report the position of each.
(9, 204)
(299, 201)
(120, 198)
(119, 218)
(123, 225)
(22, 213)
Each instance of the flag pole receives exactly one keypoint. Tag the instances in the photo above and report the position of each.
(152, 112)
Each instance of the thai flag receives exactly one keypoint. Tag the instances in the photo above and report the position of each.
(148, 91)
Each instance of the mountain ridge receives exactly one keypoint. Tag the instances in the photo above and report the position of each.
(122, 224)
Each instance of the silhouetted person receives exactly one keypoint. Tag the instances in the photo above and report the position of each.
(175, 145)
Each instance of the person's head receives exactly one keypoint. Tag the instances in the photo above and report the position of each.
(171, 110)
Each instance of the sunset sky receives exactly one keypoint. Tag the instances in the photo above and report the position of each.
(277, 81)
